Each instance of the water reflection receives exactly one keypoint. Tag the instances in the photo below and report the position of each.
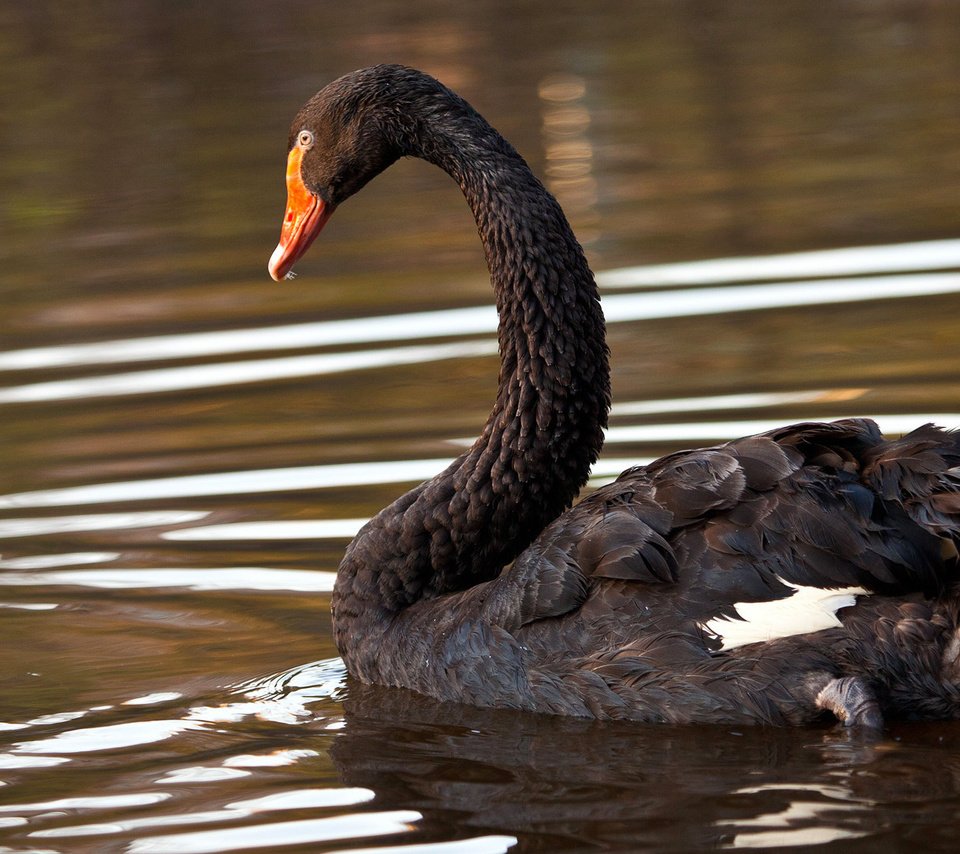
(568, 151)
(802, 822)
(573, 783)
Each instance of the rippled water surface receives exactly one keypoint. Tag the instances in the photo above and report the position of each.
(769, 195)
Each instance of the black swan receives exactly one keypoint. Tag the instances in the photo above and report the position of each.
(777, 579)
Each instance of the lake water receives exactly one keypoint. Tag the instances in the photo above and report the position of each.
(769, 195)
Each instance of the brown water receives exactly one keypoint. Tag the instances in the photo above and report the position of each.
(173, 503)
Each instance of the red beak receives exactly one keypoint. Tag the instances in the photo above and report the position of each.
(305, 216)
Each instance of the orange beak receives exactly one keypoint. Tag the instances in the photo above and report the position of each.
(305, 216)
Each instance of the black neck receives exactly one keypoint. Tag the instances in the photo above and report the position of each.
(546, 427)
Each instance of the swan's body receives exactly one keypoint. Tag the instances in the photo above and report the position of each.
(768, 580)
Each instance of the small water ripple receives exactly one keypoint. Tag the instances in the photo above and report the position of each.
(275, 834)
(200, 774)
(296, 799)
(274, 759)
(284, 697)
(493, 844)
(90, 802)
(801, 820)
(108, 737)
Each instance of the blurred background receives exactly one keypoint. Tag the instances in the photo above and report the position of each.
(186, 446)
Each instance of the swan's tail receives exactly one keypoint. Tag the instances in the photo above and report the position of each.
(921, 473)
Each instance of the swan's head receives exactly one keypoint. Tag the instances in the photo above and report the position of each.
(338, 141)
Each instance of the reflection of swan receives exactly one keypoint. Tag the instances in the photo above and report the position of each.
(765, 580)
(566, 784)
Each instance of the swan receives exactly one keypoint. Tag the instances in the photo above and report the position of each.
(804, 574)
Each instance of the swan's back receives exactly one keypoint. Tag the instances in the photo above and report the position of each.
(767, 580)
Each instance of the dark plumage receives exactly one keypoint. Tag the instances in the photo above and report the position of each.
(477, 587)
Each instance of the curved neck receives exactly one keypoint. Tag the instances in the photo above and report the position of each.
(546, 427)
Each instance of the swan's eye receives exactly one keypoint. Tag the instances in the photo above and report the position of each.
(305, 139)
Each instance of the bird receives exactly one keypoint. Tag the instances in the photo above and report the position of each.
(806, 575)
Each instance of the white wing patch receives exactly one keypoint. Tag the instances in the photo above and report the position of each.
(808, 609)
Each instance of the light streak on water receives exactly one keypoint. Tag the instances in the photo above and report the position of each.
(110, 737)
(229, 578)
(233, 373)
(748, 400)
(849, 261)
(618, 308)
(288, 800)
(293, 529)
(254, 481)
(98, 522)
(705, 431)
(273, 835)
(92, 802)
(407, 471)
(47, 561)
